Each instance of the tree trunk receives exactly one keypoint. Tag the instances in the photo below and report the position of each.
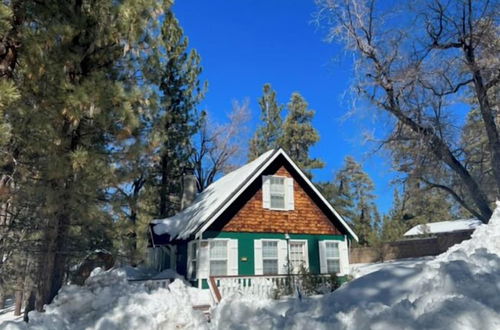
(488, 120)
(18, 301)
(30, 305)
(2, 298)
(442, 152)
(162, 212)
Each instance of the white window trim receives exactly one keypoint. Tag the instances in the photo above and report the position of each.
(190, 272)
(277, 254)
(306, 251)
(325, 259)
(218, 259)
(285, 197)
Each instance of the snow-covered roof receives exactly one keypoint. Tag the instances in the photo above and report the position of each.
(185, 223)
(209, 204)
(444, 227)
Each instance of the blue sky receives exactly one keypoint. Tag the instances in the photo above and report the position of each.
(244, 44)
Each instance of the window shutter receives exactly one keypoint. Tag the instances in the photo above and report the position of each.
(259, 268)
(232, 257)
(344, 257)
(266, 192)
(203, 259)
(306, 254)
(282, 257)
(289, 195)
(322, 257)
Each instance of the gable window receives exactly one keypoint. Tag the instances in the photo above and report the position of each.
(332, 257)
(277, 193)
(298, 252)
(270, 257)
(218, 257)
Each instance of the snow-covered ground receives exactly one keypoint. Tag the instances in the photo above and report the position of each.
(459, 289)
(108, 302)
(7, 313)
(358, 270)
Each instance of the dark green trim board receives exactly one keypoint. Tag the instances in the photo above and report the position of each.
(246, 247)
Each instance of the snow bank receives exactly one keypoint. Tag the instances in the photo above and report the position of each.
(359, 270)
(107, 302)
(459, 289)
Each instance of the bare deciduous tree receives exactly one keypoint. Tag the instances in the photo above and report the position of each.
(220, 146)
(416, 64)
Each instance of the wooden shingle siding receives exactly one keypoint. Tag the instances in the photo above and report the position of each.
(306, 218)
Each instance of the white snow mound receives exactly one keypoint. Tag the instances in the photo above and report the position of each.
(108, 302)
(459, 289)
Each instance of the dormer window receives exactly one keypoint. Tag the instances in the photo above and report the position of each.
(277, 193)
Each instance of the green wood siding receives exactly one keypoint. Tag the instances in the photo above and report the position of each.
(246, 247)
(182, 259)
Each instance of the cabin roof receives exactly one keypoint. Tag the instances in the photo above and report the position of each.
(210, 203)
(444, 227)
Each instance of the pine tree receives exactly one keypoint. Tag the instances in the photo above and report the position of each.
(338, 194)
(178, 120)
(76, 100)
(267, 136)
(360, 186)
(299, 135)
(394, 226)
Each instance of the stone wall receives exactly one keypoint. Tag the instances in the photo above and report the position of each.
(408, 248)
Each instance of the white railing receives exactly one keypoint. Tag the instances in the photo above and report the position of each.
(264, 286)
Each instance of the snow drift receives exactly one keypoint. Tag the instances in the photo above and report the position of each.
(459, 289)
(107, 302)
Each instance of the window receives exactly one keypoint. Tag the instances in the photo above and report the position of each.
(277, 193)
(218, 257)
(193, 260)
(270, 257)
(297, 255)
(332, 257)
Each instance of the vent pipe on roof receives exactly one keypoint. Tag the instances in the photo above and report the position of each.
(189, 188)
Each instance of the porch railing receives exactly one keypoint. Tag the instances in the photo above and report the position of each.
(264, 286)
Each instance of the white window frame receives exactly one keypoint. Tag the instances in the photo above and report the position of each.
(266, 258)
(210, 259)
(305, 253)
(337, 243)
(193, 262)
(284, 208)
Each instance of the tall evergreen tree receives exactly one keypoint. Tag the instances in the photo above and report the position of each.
(360, 186)
(394, 226)
(76, 101)
(267, 136)
(299, 135)
(178, 121)
(339, 195)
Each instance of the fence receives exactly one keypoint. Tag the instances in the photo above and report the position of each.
(408, 248)
(263, 286)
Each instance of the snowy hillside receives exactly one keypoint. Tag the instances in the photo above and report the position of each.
(459, 289)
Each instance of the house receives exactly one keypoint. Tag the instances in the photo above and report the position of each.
(465, 226)
(263, 219)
